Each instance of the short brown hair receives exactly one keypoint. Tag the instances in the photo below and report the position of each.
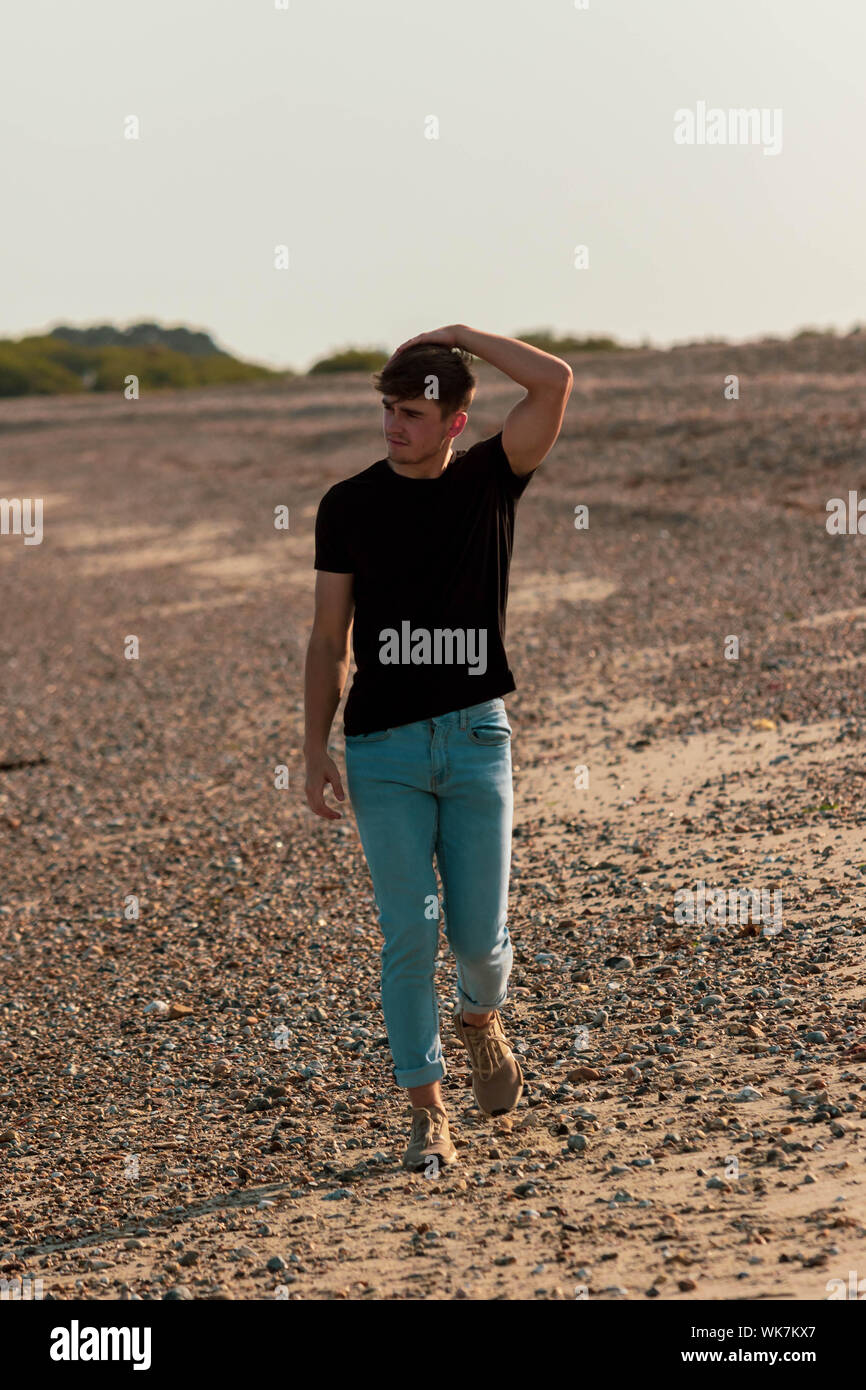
(407, 376)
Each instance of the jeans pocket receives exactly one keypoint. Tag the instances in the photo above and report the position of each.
(490, 728)
(376, 737)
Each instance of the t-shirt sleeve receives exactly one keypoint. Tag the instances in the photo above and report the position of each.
(515, 484)
(333, 536)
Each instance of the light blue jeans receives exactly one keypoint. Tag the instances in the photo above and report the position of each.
(442, 786)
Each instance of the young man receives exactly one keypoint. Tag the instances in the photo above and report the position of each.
(414, 553)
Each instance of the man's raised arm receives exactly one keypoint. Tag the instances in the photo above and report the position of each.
(532, 426)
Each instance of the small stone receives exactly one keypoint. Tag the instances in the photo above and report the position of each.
(583, 1074)
(623, 963)
(801, 1097)
(178, 1011)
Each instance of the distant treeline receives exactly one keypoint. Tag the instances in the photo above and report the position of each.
(101, 358)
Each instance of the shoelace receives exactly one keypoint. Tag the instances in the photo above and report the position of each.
(426, 1124)
(486, 1051)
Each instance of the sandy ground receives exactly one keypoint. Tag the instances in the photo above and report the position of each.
(197, 1102)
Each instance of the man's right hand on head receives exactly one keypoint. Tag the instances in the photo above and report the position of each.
(322, 770)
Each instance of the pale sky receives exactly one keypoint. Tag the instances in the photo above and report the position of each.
(305, 127)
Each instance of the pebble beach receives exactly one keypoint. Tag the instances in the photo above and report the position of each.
(196, 1099)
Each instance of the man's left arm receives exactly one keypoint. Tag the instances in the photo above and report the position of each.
(532, 426)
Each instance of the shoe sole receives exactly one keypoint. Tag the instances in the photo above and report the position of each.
(421, 1165)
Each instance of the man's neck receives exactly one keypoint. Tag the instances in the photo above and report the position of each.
(427, 468)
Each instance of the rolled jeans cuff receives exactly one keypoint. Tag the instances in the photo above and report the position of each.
(473, 1007)
(422, 1076)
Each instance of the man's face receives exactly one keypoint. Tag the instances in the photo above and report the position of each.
(415, 430)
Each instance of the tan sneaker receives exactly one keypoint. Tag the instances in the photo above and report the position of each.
(430, 1143)
(497, 1080)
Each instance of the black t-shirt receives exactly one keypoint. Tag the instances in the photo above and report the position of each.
(430, 559)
